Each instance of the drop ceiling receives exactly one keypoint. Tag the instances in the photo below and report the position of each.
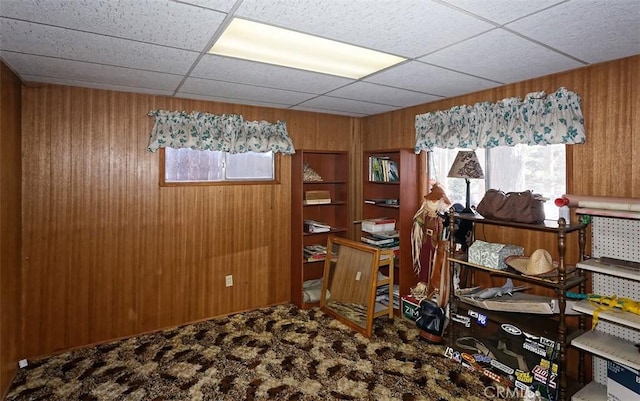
(452, 47)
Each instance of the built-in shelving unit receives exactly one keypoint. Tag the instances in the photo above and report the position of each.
(393, 194)
(332, 168)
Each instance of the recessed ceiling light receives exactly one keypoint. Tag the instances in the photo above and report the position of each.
(267, 44)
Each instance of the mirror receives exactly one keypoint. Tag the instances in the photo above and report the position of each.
(351, 282)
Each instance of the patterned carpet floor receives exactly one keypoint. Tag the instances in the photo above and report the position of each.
(276, 353)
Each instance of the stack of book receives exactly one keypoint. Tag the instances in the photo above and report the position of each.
(313, 226)
(315, 252)
(381, 224)
(381, 242)
(317, 197)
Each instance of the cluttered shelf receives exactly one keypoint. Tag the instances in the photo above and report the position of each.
(542, 325)
(546, 225)
(572, 279)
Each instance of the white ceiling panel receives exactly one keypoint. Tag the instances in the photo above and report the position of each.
(430, 79)
(501, 56)
(366, 91)
(238, 91)
(252, 73)
(453, 47)
(501, 12)
(345, 105)
(51, 68)
(591, 30)
(44, 40)
(166, 23)
(398, 27)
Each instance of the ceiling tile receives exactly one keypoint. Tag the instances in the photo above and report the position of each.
(260, 74)
(49, 69)
(397, 27)
(430, 79)
(590, 30)
(345, 105)
(366, 91)
(238, 91)
(25, 37)
(499, 12)
(166, 23)
(501, 56)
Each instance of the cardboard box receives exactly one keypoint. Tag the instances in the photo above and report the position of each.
(492, 255)
(410, 307)
(623, 383)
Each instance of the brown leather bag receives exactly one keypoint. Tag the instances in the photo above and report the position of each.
(521, 207)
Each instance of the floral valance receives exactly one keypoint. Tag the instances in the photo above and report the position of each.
(541, 119)
(225, 132)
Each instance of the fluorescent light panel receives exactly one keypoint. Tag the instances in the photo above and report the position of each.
(267, 44)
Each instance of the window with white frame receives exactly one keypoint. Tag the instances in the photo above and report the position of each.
(541, 169)
(185, 166)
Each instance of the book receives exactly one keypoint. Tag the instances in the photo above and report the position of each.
(316, 223)
(316, 201)
(382, 201)
(315, 229)
(313, 195)
(313, 226)
(387, 234)
(314, 252)
(378, 225)
(370, 239)
(380, 220)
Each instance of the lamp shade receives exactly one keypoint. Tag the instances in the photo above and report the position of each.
(466, 165)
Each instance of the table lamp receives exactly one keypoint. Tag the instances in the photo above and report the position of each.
(467, 166)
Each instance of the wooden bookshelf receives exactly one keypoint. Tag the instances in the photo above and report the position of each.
(333, 168)
(402, 203)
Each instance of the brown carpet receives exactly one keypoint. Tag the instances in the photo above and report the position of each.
(276, 353)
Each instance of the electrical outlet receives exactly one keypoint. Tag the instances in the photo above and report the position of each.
(358, 275)
(23, 363)
(228, 280)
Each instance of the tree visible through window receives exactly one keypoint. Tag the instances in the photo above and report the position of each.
(541, 169)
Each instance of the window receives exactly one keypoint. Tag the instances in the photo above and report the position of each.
(542, 169)
(188, 166)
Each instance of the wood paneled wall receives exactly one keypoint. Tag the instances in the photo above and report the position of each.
(108, 253)
(10, 225)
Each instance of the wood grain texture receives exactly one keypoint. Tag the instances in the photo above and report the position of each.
(109, 253)
(10, 225)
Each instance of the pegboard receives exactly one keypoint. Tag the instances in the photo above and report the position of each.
(620, 239)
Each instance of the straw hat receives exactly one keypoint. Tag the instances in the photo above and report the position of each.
(538, 263)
